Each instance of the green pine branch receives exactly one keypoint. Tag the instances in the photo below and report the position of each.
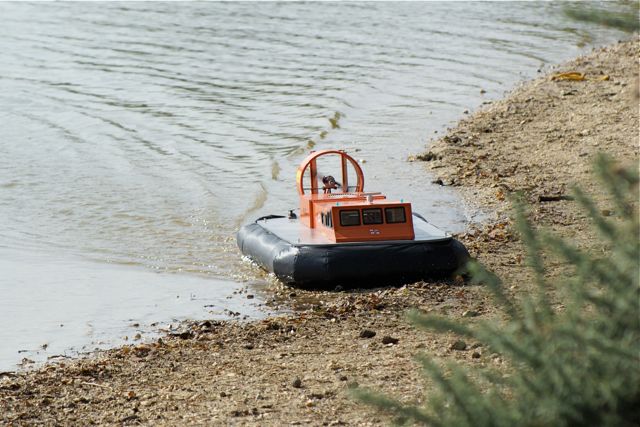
(579, 365)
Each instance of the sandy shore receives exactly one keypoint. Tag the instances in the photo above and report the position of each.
(297, 369)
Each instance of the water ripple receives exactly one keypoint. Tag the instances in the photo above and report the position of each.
(145, 133)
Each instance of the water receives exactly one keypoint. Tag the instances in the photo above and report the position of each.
(135, 138)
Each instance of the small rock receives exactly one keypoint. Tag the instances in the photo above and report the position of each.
(476, 355)
(437, 181)
(141, 350)
(483, 91)
(367, 333)
(459, 345)
(249, 296)
(427, 157)
(454, 139)
(389, 340)
(297, 383)
(343, 378)
(185, 335)
(239, 413)
(470, 313)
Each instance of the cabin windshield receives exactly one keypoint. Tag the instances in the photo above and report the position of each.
(372, 216)
(350, 217)
(395, 215)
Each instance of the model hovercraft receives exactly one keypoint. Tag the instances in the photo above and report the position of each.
(345, 236)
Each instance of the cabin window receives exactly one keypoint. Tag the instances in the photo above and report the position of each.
(326, 219)
(349, 217)
(395, 215)
(371, 216)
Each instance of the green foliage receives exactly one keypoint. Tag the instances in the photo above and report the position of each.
(624, 17)
(578, 364)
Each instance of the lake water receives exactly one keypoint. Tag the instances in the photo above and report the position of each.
(135, 138)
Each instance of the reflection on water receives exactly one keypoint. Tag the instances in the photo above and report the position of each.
(144, 134)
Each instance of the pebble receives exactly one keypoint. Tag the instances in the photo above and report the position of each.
(367, 333)
(297, 383)
(459, 345)
(389, 340)
(184, 335)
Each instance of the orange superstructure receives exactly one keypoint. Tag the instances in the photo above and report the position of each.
(344, 212)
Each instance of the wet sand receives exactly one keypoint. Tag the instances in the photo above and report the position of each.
(297, 369)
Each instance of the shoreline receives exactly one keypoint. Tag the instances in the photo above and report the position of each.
(297, 368)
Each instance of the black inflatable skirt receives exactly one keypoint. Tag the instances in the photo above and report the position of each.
(349, 264)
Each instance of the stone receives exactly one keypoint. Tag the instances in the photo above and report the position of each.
(459, 345)
(389, 340)
(367, 333)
